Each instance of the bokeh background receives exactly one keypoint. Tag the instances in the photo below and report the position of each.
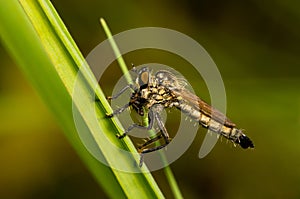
(255, 45)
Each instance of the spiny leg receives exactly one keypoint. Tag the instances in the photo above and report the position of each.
(151, 122)
(118, 111)
(162, 128)
(120, 92)
(164, 134)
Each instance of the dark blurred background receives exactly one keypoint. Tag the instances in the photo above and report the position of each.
(255, 45)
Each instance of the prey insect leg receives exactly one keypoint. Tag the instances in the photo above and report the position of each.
(154, 148)
(150, 141)
(148, 151)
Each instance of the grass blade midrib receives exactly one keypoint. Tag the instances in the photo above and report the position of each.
(61, 84)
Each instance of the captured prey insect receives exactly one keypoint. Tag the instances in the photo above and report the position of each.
(154, 92)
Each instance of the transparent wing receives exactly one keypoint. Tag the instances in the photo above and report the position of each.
(203, 107)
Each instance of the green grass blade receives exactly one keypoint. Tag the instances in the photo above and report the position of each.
(39, 42)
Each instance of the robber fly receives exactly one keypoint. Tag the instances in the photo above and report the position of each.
(152, 93)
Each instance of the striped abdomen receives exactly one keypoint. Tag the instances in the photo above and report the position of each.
(227, 129)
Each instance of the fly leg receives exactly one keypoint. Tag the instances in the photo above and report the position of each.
(151, 122)
(164, 134)
(118, 111)
(162, 128)
(121, 92)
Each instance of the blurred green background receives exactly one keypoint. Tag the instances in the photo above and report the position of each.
(255, 45)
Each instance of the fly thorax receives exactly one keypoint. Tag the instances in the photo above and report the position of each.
(154, 90)
(161, 91)
(145, 93)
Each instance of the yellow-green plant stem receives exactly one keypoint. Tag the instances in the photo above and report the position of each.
(168, 172)
(116, 50)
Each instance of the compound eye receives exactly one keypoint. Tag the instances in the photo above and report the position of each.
(144, 78)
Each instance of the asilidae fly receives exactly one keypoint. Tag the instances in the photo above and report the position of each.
(152, 93)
